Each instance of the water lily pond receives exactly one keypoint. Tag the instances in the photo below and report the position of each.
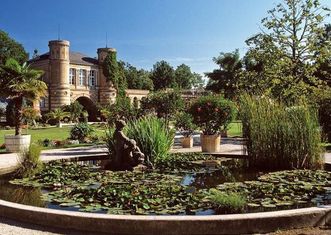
(193, 184)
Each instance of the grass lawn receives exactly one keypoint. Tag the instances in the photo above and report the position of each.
(235, 129)
(52, 133)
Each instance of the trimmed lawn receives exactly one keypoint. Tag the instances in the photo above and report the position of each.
(52, 133)
(235, 129)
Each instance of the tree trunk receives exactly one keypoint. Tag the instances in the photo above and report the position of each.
(18, 119)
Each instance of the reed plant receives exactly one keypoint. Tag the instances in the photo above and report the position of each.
(280, 136)
(30, 162)
(153, 137)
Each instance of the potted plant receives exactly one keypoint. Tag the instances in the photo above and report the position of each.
(20, 83)
(211, 114)
(184, 124)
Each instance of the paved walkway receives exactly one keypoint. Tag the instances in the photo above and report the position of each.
(9, 161)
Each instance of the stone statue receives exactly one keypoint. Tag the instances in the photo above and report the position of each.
(127, 153)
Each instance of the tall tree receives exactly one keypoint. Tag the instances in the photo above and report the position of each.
(225, 79)
(9, 48)
(136, 79)
(324, 70)
(288, 48)
(198, 82)
(184, 78)
(162, 75)
(20, 82)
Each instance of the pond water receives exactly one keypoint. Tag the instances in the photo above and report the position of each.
(204, 178)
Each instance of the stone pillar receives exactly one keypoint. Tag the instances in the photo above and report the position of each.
(107, 92)
(59, 73)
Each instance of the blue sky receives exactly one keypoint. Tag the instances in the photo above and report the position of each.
(142, 31)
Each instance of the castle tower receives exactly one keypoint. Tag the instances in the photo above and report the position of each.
(107, 92)
(59, 73)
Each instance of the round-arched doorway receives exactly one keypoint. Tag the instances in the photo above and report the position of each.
(90, 107)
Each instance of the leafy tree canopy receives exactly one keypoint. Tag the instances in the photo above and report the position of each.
(9, 48)
(288, 49)
(136, 79)
(184, 78)
(225, 80)
(162, 75)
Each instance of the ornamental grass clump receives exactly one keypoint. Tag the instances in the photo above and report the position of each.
(227, 202)
(212, 113)
(30, 163)
(153, 137)
(280, 136)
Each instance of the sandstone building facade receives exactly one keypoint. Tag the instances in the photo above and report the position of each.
(73, 76)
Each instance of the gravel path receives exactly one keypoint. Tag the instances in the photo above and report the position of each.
(11, 227)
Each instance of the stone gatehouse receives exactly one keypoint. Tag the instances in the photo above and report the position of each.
(72, 76)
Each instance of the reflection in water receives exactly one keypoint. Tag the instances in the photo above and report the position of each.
(24, 195)
(211, 177)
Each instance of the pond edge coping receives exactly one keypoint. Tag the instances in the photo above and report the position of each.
(263, 222)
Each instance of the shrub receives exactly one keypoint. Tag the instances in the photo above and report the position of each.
(2, 146)
(184, 124)
(152, 136)
(46, 142)
(227, 202)
(80, 131)
(164, 103)
(121, 109)
(30, 163)
(280, 137)
(212, 113)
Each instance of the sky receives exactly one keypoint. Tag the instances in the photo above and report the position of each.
(143, 31)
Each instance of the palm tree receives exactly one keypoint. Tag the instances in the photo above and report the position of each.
(58, 114)
(20, 82)
(75, 109)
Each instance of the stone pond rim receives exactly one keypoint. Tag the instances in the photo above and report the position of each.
(263, 222)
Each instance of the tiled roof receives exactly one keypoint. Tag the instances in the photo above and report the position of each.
(75, 58)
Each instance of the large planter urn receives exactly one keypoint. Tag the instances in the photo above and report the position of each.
(187, 142)
(17, 143)
(210, 143)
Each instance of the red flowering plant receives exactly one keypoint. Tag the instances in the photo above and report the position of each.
(212, 113)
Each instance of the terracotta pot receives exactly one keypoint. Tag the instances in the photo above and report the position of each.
(210, 143)
(187, 142)
(17, 143)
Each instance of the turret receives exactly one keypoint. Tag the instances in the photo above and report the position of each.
(59, 73)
